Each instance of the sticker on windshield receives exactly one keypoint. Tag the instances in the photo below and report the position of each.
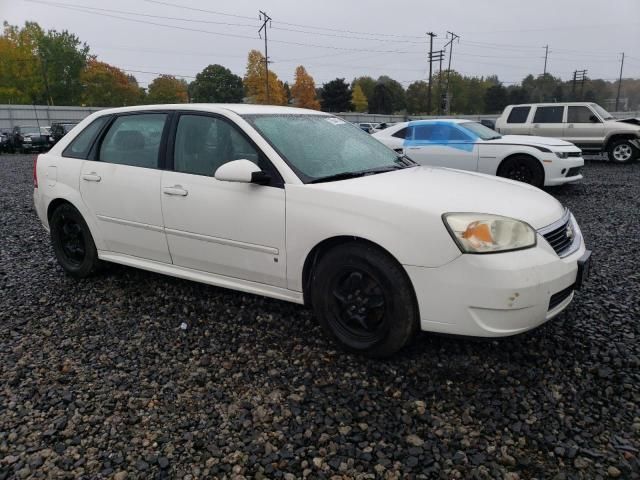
(335, 121)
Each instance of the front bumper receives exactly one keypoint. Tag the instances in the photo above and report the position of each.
(497, 294)
(557, 171)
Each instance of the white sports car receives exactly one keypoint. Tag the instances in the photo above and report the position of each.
(301, 206)
(468, 145)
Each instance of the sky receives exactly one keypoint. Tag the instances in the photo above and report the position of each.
(349, 38)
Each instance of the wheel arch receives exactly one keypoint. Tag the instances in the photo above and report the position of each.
(93, 228)
(322, 248)
(523, 154)
(618, 136)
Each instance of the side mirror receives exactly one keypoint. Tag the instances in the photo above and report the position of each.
(241, 171)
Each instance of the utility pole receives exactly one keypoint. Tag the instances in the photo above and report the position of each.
(619, 82)
(546, 54)
(265, 19)
(431, 35)
(442, 53)
(435, 57)
(453, 37)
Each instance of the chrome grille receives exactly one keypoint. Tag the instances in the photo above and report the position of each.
(562, 235)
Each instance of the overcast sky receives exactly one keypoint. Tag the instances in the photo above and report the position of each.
(342, 38)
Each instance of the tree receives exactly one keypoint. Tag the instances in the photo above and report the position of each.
(303, 91)
(287, 92)
(216, 84)
(167, 89)
(108, 86)
(495, 99)
(336, 96)
(381, 100)
(20, 72)
(358, 99)
(255, 84)
(366, 83)
(396, 90)
(63, 58)
(417, 97)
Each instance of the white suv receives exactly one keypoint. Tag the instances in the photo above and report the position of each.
(301, 206)
(587, 125)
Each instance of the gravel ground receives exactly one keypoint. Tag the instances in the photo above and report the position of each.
(97, 379)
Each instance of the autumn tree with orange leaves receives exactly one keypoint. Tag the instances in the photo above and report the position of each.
(255, 85)
(303, 91)
(167, 89)
(108, 86)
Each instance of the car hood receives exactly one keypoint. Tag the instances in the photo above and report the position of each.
(436, 191)
(531, 140)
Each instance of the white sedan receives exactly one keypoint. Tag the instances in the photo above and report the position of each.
(301, 206)
(469, 145)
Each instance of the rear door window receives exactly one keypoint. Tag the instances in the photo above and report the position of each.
(548, 115)
(134, 140)
(518, 115)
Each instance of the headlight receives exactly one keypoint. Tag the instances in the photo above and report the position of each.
(484, 233)
(562, 154)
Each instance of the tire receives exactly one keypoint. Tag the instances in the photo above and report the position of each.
(72, 242)
(364, 300)
(622, 151)
(522, 168)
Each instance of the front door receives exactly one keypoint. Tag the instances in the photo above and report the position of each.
(231, 229)
(122, 186)
(441, 144)
(583, 127)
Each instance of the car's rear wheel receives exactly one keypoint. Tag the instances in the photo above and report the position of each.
(72, 242)
(522, 168)
(622, 151)
(364, 300)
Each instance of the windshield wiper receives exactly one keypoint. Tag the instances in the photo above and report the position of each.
(361, 173)
(405, 161)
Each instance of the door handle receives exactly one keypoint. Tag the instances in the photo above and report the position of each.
(176, 190)
(570, 125)
(91, 177)
(536, 126)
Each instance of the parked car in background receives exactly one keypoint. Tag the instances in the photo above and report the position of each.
(5, 134)
(369, 127)
(59, 130)
(468, 145)
(585, 124)
(302, 206)
(29, 138)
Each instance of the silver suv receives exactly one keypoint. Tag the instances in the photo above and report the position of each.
(587, 125)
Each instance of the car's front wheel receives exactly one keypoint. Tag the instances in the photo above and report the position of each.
(522, 168)
(72, 242)
(364, 300)
(622, 151)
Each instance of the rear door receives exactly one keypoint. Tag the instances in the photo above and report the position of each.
(443, 145)
(583, 127)
(516, 122)
(548, 121)
(121, 185)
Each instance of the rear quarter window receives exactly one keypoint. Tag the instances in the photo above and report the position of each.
(518, 115)
(81, 145)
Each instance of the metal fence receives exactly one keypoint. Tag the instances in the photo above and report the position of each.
(43, 115)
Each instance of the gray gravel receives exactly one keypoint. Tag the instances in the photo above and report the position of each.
(97, 379)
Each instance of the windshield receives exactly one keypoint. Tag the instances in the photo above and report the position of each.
(479, 130)
(318, 146)
(602, 112)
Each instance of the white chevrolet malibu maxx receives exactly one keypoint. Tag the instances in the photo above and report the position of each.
(301, 206)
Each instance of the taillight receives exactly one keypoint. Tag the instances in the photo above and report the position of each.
(35, 171)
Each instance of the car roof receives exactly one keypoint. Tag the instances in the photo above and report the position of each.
(239, 108)
(440, 120)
